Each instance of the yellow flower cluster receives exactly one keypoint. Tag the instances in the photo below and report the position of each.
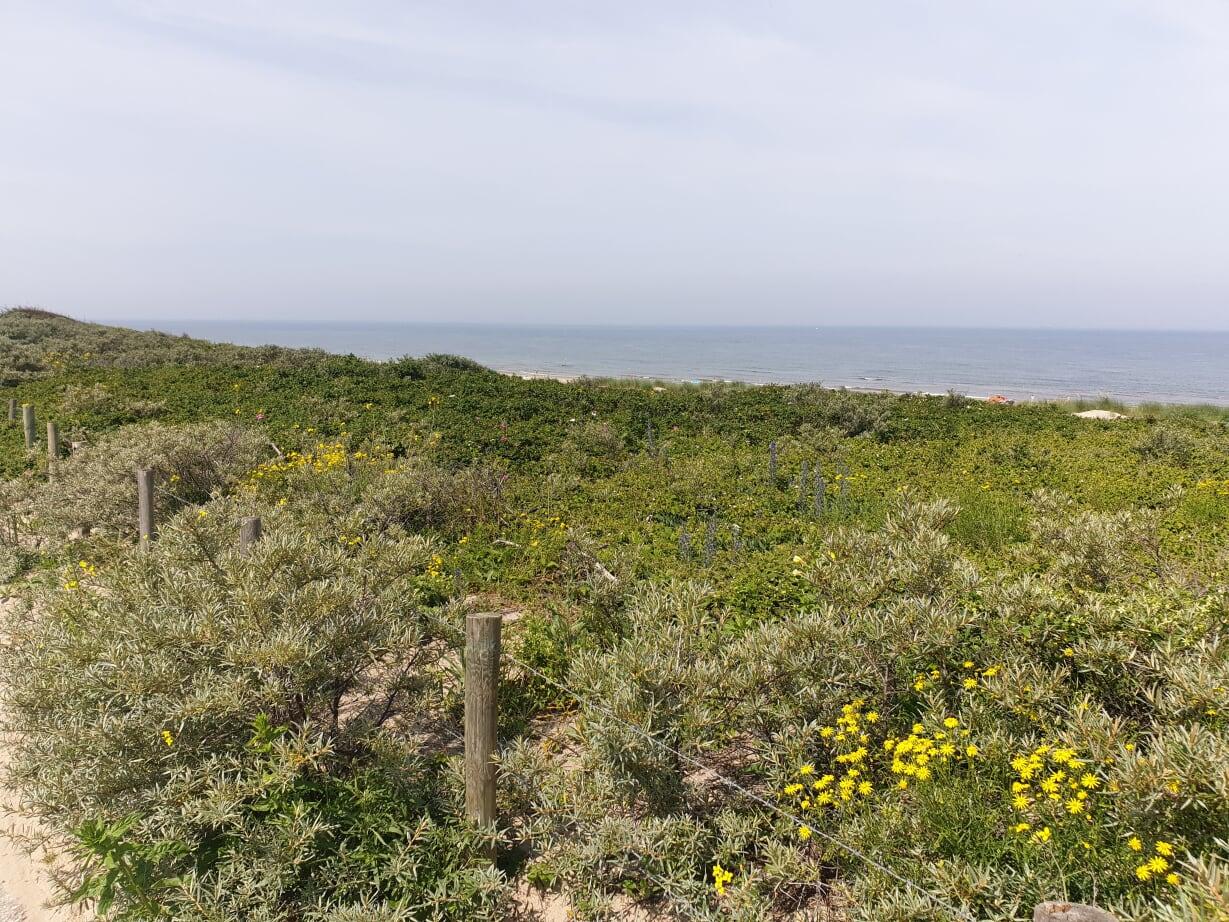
(850, 752)
(435, 569)
(856, 760)
(916, 757)
(1052, 783)
(1157, 867)
(547, 523)
(85, 568)
(325, 456)
(1219, 487)
(721, 877)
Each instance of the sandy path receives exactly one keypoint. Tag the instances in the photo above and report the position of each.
(24, 889)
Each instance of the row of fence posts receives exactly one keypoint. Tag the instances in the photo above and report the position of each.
(481, 663)
(28, 426)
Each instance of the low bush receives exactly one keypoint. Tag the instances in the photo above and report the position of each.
(94, 490)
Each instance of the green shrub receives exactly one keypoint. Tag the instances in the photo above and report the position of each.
(1166, 442)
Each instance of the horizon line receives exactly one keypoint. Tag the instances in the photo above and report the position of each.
(341, 324)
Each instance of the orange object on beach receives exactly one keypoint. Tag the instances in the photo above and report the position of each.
(997, 398)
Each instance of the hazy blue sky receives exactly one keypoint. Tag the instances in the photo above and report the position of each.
(1036, 162)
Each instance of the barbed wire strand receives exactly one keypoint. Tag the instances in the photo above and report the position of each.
(734, 785)
(684, 902)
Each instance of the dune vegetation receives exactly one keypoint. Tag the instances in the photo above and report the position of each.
(771, 652)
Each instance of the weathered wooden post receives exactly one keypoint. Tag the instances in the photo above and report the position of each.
(12, 409)
(482, 634)
(249, 533)
(27, 417)
(145, 506)
(53, 441)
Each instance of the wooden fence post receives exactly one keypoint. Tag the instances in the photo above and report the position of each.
(249, 533)
(27, 417)
(482, 635)
(12, 409)
(145, 506)
(53, 441)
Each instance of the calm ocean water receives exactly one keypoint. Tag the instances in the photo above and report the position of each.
(1178, 367)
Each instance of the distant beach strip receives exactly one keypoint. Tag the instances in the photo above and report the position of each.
(1132, 367)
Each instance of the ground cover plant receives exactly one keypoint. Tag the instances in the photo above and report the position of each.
(982, 646)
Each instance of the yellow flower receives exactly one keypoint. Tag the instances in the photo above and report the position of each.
(1172, 879)
(1021, 827)
(970, 683)
(721, 877)
(971, 750)
(806, 769)
(168, 738)
(950, 723)
(1143, 872)
(1134, 844)
(804, 832)
(1164, 848)
(1075, 806)
(1068, 652)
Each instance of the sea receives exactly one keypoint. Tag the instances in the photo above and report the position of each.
(1129, 366)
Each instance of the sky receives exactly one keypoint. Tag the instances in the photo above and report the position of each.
(1041, 163)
